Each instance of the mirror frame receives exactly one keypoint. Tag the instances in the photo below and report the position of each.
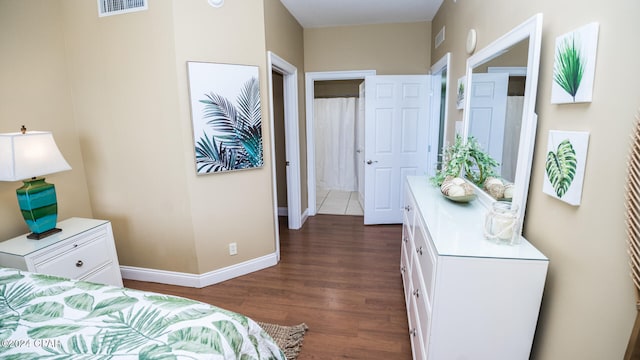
(531, 29)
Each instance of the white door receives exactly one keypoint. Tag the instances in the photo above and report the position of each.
(396, 139)
(488, 112)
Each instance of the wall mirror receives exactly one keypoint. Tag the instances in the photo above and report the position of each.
(499, 110)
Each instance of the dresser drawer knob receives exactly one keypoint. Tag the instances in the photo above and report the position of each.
(419, 250)
(79, 263)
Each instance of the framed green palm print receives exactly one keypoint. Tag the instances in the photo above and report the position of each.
(226, 115)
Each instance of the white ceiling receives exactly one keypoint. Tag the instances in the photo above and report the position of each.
(324, 13)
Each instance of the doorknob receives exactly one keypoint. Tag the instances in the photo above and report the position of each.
(369, 162)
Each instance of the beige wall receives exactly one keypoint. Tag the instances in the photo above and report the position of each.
(124, 81)
(588, 306)
(390, 49)
(131, 106)
(284, 37)
(336, 88)
(223, 205)
(115, 92)
(35, 91)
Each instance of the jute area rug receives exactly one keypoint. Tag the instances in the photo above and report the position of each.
(288, 338)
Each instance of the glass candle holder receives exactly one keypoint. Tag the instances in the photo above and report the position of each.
(501, 223)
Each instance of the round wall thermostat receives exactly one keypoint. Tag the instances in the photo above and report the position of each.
(471, 41)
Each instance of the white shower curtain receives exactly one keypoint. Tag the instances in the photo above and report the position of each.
(335, 136)
(511, 137)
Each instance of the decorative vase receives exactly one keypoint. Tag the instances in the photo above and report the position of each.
(39, 206)
(501, 223)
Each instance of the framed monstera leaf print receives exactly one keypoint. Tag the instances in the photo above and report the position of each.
(565, 164)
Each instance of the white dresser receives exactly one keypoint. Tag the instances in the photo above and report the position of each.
(467, 298)
(83, 250)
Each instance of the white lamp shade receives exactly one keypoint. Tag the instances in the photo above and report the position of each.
(24, 156)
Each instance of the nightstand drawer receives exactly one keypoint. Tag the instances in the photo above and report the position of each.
(78, 261)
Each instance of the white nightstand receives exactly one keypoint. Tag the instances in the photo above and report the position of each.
(84, 250)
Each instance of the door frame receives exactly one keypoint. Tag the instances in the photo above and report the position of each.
(310, 79)
(444, 63)
(292, 142)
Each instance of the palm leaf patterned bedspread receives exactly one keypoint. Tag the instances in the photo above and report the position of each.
(47, 317)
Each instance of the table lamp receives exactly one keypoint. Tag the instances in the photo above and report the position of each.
(25, 156)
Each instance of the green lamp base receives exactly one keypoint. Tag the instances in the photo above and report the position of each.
(39, 207)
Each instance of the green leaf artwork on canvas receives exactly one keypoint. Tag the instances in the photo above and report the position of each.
(561, 167)
(569, 66)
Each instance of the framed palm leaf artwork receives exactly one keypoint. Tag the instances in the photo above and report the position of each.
(565, 165)
(226, 115)
(574, 66)
(460, 92)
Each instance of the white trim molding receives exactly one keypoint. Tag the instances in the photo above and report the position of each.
(198, 280)
(292, 143)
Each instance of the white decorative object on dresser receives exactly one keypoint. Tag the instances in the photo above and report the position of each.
(84, 250)
(467, 297)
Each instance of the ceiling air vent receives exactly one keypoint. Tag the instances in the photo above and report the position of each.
(116, 7)
(439, 38)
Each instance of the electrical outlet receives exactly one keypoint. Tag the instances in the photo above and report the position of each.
(233, 249)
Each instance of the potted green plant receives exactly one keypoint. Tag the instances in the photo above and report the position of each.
(468, 159)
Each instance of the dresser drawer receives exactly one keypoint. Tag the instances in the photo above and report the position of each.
(78, 259)
(421, 306)
(405, 269)
(416, 326)
(409, 211)
(426, 259)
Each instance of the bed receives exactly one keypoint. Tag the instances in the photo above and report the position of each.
(48, 317)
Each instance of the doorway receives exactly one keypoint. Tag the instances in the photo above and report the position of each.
(311, 79)
(289, 96)
(397, 122)
(338, 133)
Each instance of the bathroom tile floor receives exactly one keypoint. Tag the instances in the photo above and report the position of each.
(336, 202)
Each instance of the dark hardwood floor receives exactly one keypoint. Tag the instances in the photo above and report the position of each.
(336, 275)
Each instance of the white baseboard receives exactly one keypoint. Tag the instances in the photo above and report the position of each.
(198, 280)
